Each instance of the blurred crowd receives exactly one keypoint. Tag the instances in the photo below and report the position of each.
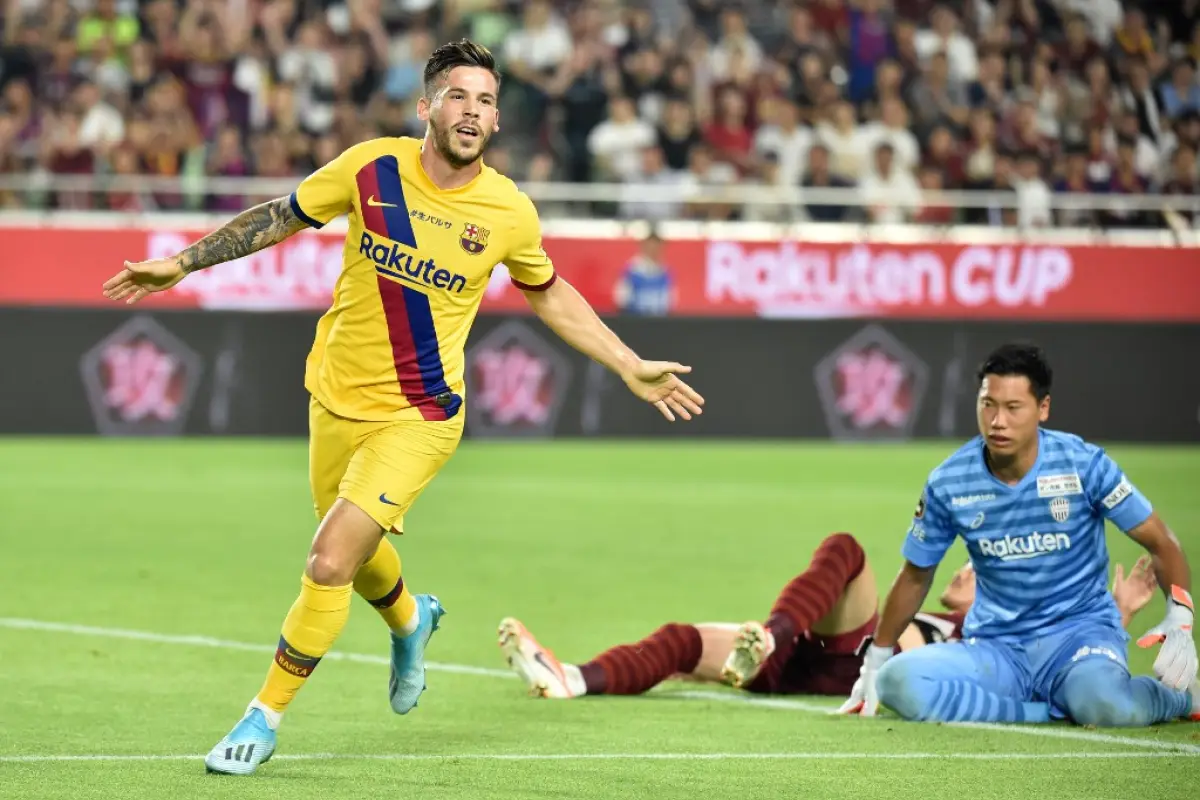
(892, 97)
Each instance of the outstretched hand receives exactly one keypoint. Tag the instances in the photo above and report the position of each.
(657, 383)
(140, 278)
(1135, 592)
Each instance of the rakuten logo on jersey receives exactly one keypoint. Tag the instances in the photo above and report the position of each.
(1016, 548)
(298, 273)
(789, 279)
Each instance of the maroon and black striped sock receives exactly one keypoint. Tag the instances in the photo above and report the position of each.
(635, 668)
(813, 593)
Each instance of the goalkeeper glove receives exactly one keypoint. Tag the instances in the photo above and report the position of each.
(1176, 664)
(864, 697)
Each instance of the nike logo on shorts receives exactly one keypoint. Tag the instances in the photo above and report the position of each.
(383, 499)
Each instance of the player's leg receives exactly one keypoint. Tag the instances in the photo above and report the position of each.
(1090, 684)
(673, 649)
(975, 681)
(390, 469)
(380, 583)
(344, 539)
(835, 594)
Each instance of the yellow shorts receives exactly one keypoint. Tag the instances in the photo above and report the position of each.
(381, 467)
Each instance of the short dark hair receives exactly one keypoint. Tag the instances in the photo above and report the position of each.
(1020, 358)
(463, 53)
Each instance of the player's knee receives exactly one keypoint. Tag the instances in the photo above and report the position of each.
(330, 569)
(900, 688)
(1104, 703)
(676, 630)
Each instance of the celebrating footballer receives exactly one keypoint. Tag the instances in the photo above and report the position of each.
(428, 222)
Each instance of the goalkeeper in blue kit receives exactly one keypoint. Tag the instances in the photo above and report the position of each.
(1043, 639)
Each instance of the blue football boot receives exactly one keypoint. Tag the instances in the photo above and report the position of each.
(250, 743)
(407, 679)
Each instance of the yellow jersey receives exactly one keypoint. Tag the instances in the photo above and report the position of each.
(416, 262)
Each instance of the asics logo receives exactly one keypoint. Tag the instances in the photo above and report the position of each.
(371, 201)
(1016, 548)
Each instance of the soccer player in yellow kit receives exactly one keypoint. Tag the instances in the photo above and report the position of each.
(428, 223)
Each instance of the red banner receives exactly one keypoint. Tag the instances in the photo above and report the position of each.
(66, 267)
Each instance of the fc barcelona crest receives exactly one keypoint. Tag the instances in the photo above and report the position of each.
(473, 239)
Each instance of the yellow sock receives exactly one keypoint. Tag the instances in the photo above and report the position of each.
(380, 584)
(309, 630)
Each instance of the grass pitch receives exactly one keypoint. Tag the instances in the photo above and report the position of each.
(143, 584)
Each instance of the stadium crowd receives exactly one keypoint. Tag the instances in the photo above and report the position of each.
(1035, 96)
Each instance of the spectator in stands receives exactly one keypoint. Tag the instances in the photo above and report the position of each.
(1046, 97)
(104, 23)
(1132, 37)
(1148, 159)
(728, 134)
(677, 134)
(892, 128)
(1139, 97)
(783, 137)
(943, 36)
(844, 141)
(942, 154)
(1078, 49)
(533, 55)
(990, 89)
(870, 41)
(1075, 181)
(616, 144)
(1033, 195)
(1126, 180)
(819, 175)
(760, 82)
(980, 163)
(1182, 93)
(929, 178)
(1102, 16)
(935, 99)
(890, 193)
(655, 174)
(645, 287)
(101, 126)
(1184, 179)
(734, 43)
(704, 177)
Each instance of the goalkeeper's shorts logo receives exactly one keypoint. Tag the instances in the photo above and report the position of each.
(291, 660)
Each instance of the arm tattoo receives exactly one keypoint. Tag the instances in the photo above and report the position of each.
(254, 229)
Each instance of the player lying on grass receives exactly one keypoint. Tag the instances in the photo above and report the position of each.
(428, 222)
(1043, 639)
(808, 644)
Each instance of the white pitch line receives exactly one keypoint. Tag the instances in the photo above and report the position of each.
(226, 644)
(463, 669)
(1026, 730)
(614, 757)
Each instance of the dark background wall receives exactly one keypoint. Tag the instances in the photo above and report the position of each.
(88, 371)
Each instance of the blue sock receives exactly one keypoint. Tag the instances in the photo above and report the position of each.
(915, 690)
(1099, 691)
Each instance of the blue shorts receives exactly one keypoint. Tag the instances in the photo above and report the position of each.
(1029, 670)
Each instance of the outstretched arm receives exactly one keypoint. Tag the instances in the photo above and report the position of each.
(250, 231)
(566, 313)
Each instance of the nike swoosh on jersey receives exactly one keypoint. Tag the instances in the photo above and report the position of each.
(371, 201)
